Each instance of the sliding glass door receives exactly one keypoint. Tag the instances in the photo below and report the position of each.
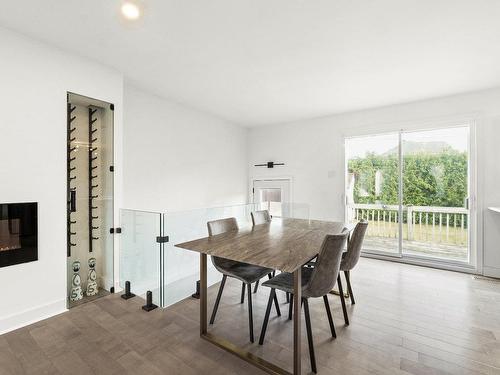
(435, 193)
(373, 190)
(413, 189)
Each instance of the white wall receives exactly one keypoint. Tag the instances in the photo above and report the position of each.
(177, 158)
(313, 153)
(34, 80)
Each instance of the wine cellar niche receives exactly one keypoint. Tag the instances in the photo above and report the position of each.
(90, 198)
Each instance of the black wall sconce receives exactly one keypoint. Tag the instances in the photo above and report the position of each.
(269, 164)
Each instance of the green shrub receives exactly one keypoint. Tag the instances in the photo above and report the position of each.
(429, 179)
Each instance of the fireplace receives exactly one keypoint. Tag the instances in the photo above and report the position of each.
(18, 233)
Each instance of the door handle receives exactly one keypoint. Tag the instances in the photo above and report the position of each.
(72, 201)
(466, 203)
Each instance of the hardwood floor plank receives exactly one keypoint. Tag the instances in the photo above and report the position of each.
(407, 320)
(31, 357)
(417, 368)
(9, 364)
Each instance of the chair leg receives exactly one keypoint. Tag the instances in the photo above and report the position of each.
(342, 300)
(290, 307)
(278, 311)
(329, 314)
(309, 335)
(276, 303)
(287, 297)
(242, 292)
(250, 312)
(347, 275)
(266, 317)
(256, 286)
(219, 294)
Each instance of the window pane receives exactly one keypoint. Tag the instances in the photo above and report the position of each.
(435, 187)
(373, 189)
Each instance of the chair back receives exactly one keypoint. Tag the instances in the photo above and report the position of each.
(260, 217)
(354, 247)
(327, 266)
(216, 227)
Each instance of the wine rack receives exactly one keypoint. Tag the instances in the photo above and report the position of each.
(93, 185)
(71, 190)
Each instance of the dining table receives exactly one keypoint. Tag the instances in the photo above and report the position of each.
(284, 244)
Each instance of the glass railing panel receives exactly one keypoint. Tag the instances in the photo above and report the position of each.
(140, 252)
(169, 272)
(295, 210)
(285, 209)
(181, 267)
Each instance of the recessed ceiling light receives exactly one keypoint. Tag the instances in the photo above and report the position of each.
(130, 11)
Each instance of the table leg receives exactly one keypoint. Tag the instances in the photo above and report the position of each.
(228, 346)
(203, 294)
(297, 315)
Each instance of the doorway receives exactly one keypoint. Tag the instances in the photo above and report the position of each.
(272, 195)
(413, 188)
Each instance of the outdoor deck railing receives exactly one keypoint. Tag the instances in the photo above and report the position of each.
(447, 225)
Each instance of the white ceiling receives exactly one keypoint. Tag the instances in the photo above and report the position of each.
(256, 62)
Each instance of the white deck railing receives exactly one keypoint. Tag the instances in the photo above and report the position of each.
(446, 225)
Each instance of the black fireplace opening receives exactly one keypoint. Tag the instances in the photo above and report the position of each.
(18, 233)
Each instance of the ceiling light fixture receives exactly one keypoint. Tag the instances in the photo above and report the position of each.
(130, 11)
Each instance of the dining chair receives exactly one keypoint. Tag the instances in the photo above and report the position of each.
(317, 282)
(351, 257)
(244, 272)
(260, 217)
(349, 260)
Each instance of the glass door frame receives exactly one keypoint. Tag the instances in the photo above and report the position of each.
(473, 256)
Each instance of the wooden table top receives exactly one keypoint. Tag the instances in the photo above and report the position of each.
(283, 244)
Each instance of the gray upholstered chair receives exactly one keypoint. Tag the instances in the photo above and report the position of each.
(246, 273)
(349, 260)
(317, 281)
(260, 217)
(351, 257)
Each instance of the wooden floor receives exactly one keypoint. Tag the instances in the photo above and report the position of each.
(407, 320)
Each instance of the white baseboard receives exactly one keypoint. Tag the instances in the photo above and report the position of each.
(30, 316)
(491, 272)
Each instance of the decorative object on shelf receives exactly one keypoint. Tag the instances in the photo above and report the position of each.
(76, 288)
(269, 164)
(92, 279)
